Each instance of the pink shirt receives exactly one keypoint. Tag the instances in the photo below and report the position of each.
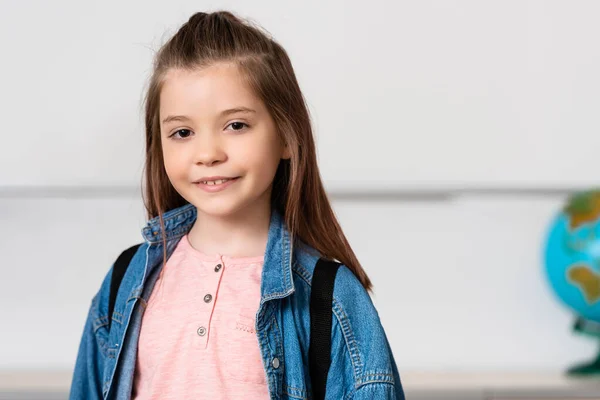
(198, 338)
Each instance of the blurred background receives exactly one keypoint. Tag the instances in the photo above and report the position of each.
(449, 134)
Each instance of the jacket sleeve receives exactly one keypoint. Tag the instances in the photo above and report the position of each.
(382, 390)
(359, 330)
(379, 391)
(398, 390)
(87, 382)
(87, 376)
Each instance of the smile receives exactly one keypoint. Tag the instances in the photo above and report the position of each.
(216, 186)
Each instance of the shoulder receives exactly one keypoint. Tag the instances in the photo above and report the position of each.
(130, 258)
(357, 331)
(349, 295)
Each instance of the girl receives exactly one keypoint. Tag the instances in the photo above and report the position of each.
(215, 302)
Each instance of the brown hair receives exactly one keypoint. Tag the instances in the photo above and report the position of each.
(298, 192)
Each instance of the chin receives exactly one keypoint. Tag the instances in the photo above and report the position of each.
(216, 208)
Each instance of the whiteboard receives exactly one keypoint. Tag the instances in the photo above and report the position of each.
(402, 93)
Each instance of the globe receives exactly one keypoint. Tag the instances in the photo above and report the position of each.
(572, 255)
(572, 262)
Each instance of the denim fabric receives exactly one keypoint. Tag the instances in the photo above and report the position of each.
(362, 362)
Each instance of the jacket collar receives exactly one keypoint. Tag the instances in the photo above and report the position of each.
(277, 279)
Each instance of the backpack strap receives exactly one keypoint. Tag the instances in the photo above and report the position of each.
(321, 298)
(119, 268)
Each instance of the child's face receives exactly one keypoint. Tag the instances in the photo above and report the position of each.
(209, 143)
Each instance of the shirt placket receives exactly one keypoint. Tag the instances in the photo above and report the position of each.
(211, 287)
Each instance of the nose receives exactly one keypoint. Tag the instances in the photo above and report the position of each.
(210, 150)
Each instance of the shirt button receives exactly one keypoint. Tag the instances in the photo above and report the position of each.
(275, 363)
(202, 331)
(218, 267)
(207, 298)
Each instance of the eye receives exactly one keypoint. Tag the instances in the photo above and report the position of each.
(238, 126)
(178, 131)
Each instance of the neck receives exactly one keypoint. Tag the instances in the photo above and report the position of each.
(243, 234)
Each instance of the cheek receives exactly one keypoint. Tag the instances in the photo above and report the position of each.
(262, 156)
(173, 164)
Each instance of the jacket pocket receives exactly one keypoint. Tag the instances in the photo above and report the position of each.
(246, 360)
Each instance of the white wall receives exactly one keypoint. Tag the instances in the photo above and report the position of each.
(493, 104)
(459, 284)
(422, 93)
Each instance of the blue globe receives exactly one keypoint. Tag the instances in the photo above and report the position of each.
(572, 255)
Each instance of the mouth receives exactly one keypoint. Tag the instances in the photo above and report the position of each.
(216, 181)
(216, 185)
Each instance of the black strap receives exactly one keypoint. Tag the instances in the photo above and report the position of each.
(319, 351)
(119, 268)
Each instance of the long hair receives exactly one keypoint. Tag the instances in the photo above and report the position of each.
(298, 192)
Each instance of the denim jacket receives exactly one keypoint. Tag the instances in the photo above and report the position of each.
(362, 363)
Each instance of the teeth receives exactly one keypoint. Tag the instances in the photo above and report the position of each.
(217, 182)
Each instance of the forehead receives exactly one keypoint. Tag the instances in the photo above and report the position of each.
(205, 91)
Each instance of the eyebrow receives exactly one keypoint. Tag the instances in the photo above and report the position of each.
(184, 118)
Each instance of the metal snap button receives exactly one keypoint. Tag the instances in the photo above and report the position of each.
(202, 331)
(275, 363)
(207, 298)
